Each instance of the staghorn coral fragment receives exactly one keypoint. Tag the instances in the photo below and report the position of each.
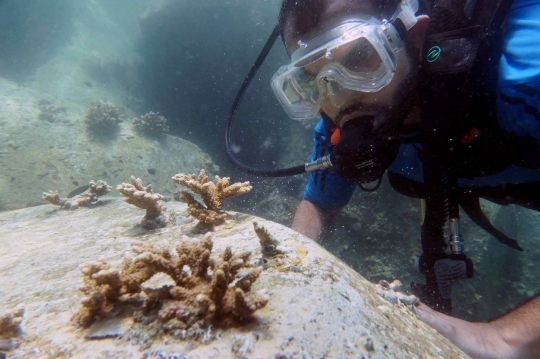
(54, 198)
(143, 197)
(205, 290)
(88, 197)
(201, 213)
(10, 323)
(270, 246)
(211, 193)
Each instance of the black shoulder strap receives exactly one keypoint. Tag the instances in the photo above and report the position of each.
(471, 206)
(457, 33)
(461, 36)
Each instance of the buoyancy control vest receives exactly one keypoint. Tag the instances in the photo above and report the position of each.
(461, 136)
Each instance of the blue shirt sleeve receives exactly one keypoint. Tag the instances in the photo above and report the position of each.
(518, 100)
(326, 189)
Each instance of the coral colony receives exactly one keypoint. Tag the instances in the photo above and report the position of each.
(143, 197)
(102, 118)
(211, 193)
(88, 197)
(151, 124)
(208, 290)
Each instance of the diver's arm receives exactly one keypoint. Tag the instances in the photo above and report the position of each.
(521, 329)
(514, 335)
(310, 220)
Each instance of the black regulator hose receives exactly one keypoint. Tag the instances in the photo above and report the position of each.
(291, 171)
(437, 210)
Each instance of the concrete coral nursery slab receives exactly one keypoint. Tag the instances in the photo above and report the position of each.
(323, 309)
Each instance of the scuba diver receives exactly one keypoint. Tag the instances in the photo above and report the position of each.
(447, 104)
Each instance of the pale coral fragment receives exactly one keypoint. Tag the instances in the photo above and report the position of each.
(88, 197)
(143, 197)
(391, 292)
(211, 193)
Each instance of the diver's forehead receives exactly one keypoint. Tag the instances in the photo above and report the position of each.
(333, 14)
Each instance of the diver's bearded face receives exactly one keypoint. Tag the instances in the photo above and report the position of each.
(388, 106)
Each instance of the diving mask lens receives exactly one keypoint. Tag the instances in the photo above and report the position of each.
(356, 56)
(360, 57)
(298, 93)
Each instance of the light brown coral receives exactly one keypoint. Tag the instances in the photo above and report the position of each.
(211, 193)
(204, 289)
(10, 323)
(90, 196)
(143, 197)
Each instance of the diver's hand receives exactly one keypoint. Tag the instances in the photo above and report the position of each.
(479, 340)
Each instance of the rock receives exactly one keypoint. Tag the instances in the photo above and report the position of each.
(325, 310)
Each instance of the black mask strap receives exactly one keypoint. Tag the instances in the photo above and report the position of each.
(291, 171)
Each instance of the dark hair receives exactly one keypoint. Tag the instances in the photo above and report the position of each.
(306, 14)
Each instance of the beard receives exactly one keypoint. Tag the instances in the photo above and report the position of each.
(388, 118)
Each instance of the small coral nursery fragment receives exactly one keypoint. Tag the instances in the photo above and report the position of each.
(143, 197)
(88, 197)
(211, 193)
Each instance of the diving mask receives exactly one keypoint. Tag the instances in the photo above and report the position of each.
(358, 55)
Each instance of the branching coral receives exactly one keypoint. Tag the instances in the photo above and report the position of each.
(102, 118)
(143, 197)
(10, 323)
(151, 124)
(270, 246)
(205, 289)
(90, 196)
(211, 193)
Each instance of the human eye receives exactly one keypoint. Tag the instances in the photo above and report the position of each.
(304, 75)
